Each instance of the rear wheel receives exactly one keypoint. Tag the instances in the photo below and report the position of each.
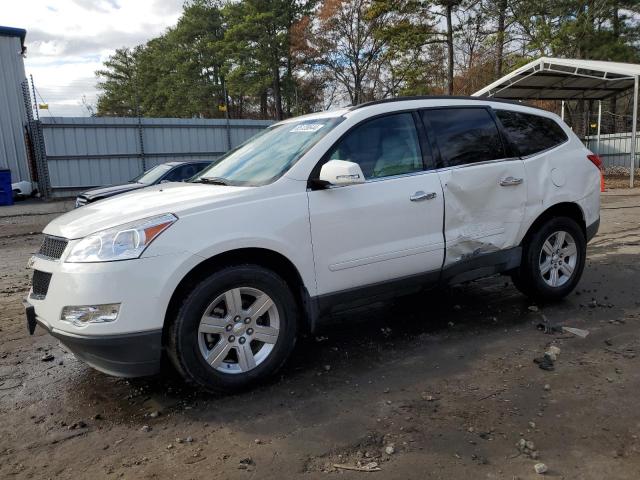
(234, 330)
(552, 260)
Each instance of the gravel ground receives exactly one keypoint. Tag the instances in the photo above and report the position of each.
(440, 385)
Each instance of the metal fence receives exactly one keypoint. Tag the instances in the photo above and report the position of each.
(614, 149)
(609, 135)
(85, 152)
(605, 128)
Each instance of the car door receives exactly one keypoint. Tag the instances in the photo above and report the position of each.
(387, 228)
(484, 184)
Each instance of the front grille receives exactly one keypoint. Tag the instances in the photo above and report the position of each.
(52, 247)
(40, 284)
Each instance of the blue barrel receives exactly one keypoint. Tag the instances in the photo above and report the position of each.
(6, 194)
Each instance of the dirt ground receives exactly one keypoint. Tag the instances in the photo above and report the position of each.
(437, 386)
(617, 181)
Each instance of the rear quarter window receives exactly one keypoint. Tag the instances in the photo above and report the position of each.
(531, 134)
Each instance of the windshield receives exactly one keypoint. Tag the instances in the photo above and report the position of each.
(268, 155)
(153, 175)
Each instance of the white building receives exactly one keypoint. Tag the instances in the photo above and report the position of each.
(13, 115)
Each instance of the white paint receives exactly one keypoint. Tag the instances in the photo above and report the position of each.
(372, 232)
(340, 172)
(557, 177)
(337, 238)
(481, 215)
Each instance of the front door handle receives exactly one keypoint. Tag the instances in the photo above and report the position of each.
(420, 195)
(511, 181)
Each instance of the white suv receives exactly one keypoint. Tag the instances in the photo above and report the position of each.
(315, 215)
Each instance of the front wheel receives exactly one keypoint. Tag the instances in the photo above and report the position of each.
(553, 259)
(234, 330)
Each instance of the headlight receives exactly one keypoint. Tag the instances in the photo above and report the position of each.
(120, 243)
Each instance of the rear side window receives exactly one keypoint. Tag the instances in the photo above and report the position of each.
(465, 135)
(531, 133)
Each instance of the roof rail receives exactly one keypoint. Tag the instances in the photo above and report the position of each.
(434, 97)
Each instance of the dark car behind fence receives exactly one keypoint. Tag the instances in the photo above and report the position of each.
(85, 152)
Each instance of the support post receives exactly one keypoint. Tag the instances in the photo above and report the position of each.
(634, 131)
(226, 113)
(141, 142)
(599, 123)
(35, 100)
(562, 111)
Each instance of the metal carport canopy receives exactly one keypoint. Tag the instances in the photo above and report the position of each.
(569, 79)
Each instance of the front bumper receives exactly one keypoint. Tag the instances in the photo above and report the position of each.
(129, 355)
(592, 229)
(142, 287)
(130, 345)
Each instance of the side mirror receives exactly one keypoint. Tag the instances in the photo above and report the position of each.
(341, 172)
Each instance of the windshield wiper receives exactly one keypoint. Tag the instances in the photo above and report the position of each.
(213, 181)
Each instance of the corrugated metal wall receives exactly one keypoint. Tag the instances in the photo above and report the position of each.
(614, 149)
(13, 154)
(86, 152)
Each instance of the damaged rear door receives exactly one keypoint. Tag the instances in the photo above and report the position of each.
(483, 182)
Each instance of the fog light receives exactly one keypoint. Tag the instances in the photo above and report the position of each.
(81, 315)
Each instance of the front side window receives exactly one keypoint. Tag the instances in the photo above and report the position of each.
(382, 147)
(465, 135)
(265, 157)
(529, 133)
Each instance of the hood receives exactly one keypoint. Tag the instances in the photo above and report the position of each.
(102, 192)
(176, 198)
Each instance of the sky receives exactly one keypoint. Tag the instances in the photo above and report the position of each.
(67, 41)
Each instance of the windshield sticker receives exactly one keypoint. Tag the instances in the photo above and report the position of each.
(307, 127)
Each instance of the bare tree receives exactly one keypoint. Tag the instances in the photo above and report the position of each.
(345, 43)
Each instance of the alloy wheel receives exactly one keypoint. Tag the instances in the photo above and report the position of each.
(238, 330)
(558, 258)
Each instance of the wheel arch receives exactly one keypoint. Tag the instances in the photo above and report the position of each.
(263, 257)
(564, 209)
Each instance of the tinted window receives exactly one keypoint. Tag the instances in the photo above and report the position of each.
(530, 133)
(183, 172)
(382, 147)
(201, 166)
(465, 135)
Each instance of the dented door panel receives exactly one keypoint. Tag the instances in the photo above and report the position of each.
(481, 215)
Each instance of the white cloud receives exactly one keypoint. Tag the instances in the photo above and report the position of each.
(67, 41)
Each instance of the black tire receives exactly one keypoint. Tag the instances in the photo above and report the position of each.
(183, 339)
(528, 277)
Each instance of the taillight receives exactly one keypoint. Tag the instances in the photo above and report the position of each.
(596, 160)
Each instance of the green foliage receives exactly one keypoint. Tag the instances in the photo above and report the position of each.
(278, 58)
(595, 30)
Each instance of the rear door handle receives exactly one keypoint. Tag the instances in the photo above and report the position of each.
(511, 181)
(420, 195)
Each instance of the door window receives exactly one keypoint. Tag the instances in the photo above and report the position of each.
(465, 135)
(183, 172)
(382, 147)
(531, 134)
